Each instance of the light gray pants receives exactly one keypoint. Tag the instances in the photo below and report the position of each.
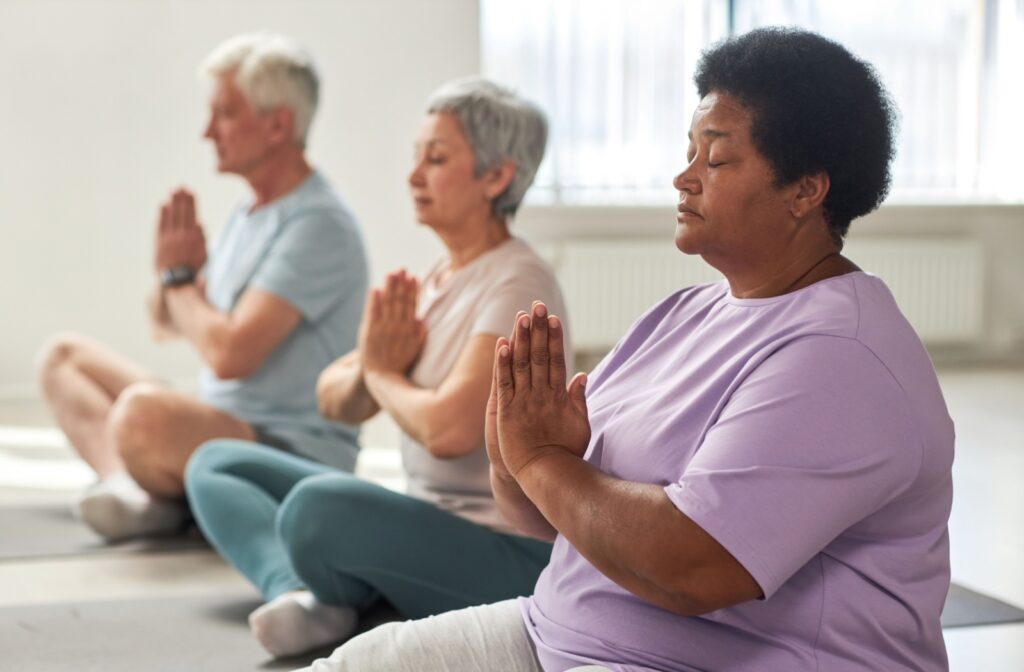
(491, 637)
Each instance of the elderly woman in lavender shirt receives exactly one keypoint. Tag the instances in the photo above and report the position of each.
(758, 476)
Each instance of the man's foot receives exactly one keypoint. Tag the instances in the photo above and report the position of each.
(117, 508)
(296, 622)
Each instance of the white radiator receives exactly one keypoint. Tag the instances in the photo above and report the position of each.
(938, 283)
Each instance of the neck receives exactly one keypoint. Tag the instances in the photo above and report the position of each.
(277, 174)
(476, 236)
(799, 264)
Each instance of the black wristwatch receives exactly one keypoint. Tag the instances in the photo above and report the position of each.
(175, 276)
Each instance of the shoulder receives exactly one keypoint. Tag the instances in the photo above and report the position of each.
(520, 273)
(690, 304)
(516, 258)
(316, 206)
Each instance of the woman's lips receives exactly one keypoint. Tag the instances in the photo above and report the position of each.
(686, 213)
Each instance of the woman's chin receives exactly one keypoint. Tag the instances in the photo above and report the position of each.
(686, 241)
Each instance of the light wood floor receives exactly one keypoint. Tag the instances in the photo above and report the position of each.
(986, 527)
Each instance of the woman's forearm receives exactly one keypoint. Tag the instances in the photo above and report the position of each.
(341, 392)
(518, 510)
(635, 536)
(424, 415)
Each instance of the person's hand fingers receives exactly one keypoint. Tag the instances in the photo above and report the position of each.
(539, 356)
(411, 294)
(397, 298)
(578, 393)
(404, 298)
(491, 419)
(515, 329)
(164, 222)
(178, 210)
(389, 299)
(556, 354)
(504, 378)
(189, 208)
(373, 307)
(521, 354)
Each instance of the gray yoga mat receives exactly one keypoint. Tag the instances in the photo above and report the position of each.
(965, 607)
(189, 633)
(50, 530)
(197, 634)
(209, 633)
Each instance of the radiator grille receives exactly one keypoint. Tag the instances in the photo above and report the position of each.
(938, 283)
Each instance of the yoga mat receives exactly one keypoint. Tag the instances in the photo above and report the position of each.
(198, 634)
(50, 530)
(209, 633)
(965, 607)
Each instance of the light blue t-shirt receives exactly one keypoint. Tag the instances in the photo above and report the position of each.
(306, 248)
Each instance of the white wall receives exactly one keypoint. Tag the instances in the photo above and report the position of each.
(101, 114)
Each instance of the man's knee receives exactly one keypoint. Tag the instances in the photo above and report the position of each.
(58, 350)
(137, 420)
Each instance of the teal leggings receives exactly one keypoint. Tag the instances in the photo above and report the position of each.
(288, 523)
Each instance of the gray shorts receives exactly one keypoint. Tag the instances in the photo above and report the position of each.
(267, 437)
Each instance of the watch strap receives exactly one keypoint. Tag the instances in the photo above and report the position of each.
(175, 276)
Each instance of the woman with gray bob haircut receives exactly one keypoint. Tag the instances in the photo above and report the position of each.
(272, 71)
(322, 545)
(500, 126)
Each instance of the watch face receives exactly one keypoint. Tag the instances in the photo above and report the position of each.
(177, 275)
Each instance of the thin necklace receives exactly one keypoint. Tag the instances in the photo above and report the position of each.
(808, 271)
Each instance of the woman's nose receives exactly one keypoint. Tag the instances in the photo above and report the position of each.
(687, 181)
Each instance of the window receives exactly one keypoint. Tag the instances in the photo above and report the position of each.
(615, 78)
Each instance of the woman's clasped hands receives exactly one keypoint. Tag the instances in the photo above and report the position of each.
(391, 336)
(531, 413)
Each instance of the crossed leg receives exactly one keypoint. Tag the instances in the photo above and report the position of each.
(123, 422)
(81, 380)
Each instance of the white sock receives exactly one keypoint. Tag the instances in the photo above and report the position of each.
(118, 508)
(296, 622)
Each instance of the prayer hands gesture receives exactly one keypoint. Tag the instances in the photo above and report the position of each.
(531, 413)
(179, 236)
(391, 336)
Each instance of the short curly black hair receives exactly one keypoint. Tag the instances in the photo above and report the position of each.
(815, 107)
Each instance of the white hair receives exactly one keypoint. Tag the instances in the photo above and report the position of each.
(271, 71)
(500, 126)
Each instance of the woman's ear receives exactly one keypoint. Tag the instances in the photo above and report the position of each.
(498, 178)
(810, 194)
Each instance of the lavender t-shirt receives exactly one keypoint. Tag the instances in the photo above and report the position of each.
(808, 435)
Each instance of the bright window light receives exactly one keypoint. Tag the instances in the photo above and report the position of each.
(615, 78)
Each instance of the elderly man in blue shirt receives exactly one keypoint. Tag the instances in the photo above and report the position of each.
(278, 299)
